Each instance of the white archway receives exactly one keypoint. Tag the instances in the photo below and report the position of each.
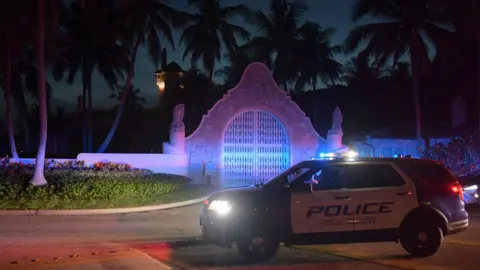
(256, 91)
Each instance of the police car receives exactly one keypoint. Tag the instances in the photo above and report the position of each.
(415, 202)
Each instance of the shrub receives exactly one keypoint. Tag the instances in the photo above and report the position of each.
(461, 155)
(72, 181)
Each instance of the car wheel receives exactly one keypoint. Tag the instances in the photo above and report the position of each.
(421, 240)
(258, 248)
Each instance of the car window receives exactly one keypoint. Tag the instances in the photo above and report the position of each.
(372, 176)
(356, 176)
(329, 178)
(428, 171)
(296, 174)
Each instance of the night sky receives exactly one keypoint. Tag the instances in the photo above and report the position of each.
(327, 13)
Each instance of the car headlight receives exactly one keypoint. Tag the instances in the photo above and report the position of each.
(473, 187)
(219, 206)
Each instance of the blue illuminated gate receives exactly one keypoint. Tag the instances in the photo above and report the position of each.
(255, 148)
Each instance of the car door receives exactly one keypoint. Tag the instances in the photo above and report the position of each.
(384, 195)
(320, 206)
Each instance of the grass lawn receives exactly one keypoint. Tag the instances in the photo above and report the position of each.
(65, 204)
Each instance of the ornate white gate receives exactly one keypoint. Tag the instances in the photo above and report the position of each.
(255, 148)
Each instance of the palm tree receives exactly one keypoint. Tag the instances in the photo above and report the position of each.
(464, 15)
(237, 63)
(133, 106)
(404, 27)
(133, 102)
(58, 124)
(145, 21)
(93, 46)
(24, 87)
(12, 34)
(38, 178)
(278, 35)
(8, 103)
(47, 17)
(359, 73)
(399, 76)
(317, 61)
(209, 29)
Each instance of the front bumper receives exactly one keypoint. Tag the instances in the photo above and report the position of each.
(219, 229)
(457, 226)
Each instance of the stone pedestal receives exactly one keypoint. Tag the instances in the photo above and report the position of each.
(335, 143)
(176, 144)
(334, 140)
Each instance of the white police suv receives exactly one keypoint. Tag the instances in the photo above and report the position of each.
(412, 201)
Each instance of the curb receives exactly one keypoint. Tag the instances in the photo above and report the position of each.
(84, 212)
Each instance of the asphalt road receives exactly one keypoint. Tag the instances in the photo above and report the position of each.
(144, 241)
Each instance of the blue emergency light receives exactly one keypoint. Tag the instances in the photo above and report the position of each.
(330, 156)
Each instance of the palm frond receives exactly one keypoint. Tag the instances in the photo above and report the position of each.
(377, 8)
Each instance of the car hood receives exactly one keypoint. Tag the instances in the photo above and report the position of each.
(241, 193)
(256, 198)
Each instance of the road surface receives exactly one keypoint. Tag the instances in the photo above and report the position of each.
(152, 241)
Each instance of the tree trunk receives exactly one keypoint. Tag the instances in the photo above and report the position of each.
(478, 70)
(478, 83)
(315, 107)
(132, 126)
(416, 100)
(476, 29)
(84, 113)
(26, 134)
(22, 110)
(89, 113)
(55, 145)
(125, 93)
(38, 176)
(8, 101)
(212, 65)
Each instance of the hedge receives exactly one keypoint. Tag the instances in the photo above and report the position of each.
(74, 182)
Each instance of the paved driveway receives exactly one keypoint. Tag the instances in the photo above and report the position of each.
(122, 242)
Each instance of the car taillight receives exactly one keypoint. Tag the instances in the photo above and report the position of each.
(457, 189)
(206, 202)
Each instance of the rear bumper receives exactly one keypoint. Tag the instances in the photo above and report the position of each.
(457, 226)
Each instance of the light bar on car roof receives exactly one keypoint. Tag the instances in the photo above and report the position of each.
(331, 156)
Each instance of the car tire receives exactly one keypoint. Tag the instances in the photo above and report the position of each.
(257, 249)
(421, 239)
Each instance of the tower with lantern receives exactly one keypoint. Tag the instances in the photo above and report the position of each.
(169, 81)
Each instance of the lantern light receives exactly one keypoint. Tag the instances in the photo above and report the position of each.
(161, 85)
